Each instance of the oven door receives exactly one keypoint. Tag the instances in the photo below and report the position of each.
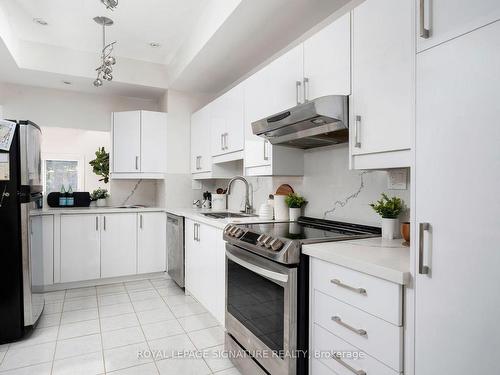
(261, 309)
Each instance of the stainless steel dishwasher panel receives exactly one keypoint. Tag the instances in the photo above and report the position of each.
(175, 248)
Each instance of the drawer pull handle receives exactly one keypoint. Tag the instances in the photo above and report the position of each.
(350, 368)
(339, 321)
(342, 285)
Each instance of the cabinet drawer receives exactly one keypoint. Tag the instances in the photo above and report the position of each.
(319, 368)
(371, 294)
(351, 361)
(375, 336)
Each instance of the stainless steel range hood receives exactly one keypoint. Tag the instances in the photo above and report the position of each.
(320, 122)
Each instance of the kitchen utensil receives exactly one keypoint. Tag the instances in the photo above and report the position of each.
(405, 233)
(284, 189)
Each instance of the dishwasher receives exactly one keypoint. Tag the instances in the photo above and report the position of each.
(175, 248)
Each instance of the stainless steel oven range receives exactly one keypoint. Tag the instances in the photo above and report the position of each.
(267, 291)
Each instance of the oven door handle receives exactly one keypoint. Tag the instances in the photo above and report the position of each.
(276, 276)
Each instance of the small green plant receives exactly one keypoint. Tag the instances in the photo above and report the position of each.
(388, 208)
(100, 165)
(295, 201)
(99, 194)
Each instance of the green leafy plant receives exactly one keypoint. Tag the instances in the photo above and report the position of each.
(100, 165)
(99, 194)
(388, 208)
(293, 200)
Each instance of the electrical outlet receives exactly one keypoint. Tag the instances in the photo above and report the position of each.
(397, 179)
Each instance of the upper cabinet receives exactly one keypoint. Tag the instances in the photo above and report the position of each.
(327, 60)
(383, 84)
(275, 88)
(439, 21)
(227, 125)
(139, 147)
(201, 159)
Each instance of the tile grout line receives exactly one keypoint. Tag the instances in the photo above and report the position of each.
(57, 336)
(100, 333)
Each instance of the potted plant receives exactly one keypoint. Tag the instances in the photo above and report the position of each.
(295, 203)
(389, 209)
(100, 165)
(99, 196)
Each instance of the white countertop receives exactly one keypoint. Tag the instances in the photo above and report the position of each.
(196, 214)
(386, 259)
(92, 210)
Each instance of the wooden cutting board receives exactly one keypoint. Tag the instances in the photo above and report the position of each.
(284, 189)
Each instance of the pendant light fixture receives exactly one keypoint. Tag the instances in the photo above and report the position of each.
(105, 70)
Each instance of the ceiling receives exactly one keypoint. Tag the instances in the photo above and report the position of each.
(137, 23)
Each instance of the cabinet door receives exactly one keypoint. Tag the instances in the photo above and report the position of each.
(80, 247)
(383, 56)
(220, 277)
(234, 115)
(126, 142)
(118, 244)
(447, 19)
(207, 242)
(216, 112)
(151, 242)
(153, 142)
(192, 276)
(327, 60)
(42, 249)
(457, 164)
(201, 158)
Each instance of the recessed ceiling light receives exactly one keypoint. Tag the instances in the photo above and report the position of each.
(67, 82)
(154, 44)
(40, 21)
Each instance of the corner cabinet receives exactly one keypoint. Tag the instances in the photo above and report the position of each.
(382, 109)
(139, 145)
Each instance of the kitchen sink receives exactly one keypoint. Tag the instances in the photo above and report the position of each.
(225, 215)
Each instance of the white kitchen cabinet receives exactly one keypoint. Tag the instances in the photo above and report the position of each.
(80, 247)
(42, 248)
(118, 244)
(457, 163)
(273, 89)
(201, 158)
(151, 242)
(139, 144)
(441, 20)
(205, 266)
(227, 125)
(383, 83)
(327, 60)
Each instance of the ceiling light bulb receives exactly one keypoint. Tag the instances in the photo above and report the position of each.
(98, 82)
(154, 44)
(40, 21)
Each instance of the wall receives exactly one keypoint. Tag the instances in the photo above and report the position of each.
(327, 183)
(78, 123)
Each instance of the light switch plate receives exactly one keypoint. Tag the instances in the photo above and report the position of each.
(397, 179)
(196, 185)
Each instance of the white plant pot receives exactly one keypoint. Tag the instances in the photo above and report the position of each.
(390, 229)
(101, 202)
(295, 213)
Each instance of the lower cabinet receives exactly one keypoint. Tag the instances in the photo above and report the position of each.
(152, 242)
(94, 246)
(205, 266)
(42, 249)
(80, 247)
(118, 244)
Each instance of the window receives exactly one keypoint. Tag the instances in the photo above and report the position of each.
(62, 170)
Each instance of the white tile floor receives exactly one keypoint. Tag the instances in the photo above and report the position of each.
(101, 330)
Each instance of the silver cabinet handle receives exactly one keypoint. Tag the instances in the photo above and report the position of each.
(226, 147)
(357, 126)
(422, 269)
(97, 223)
(297, 91)
(339, 321)
(198, 232)
(137, 163)
(350, 368)
(198, 162)
(222, 141)
(306, 89)
(266, 157)
(194, 231)
(345, 286)
(104, 222)
(424, 33)
(140, 221)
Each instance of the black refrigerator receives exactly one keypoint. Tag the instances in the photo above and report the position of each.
(21, 265)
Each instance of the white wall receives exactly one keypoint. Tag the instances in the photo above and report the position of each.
(78, 123)
(326, 184)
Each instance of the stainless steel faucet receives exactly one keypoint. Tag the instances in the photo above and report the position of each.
(248, 207)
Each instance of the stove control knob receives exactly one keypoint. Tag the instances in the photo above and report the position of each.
(228, 229)
(263, 240)
(268, 242)
(260, 239)
(239, 233)
(276, 245)
(233, 231)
